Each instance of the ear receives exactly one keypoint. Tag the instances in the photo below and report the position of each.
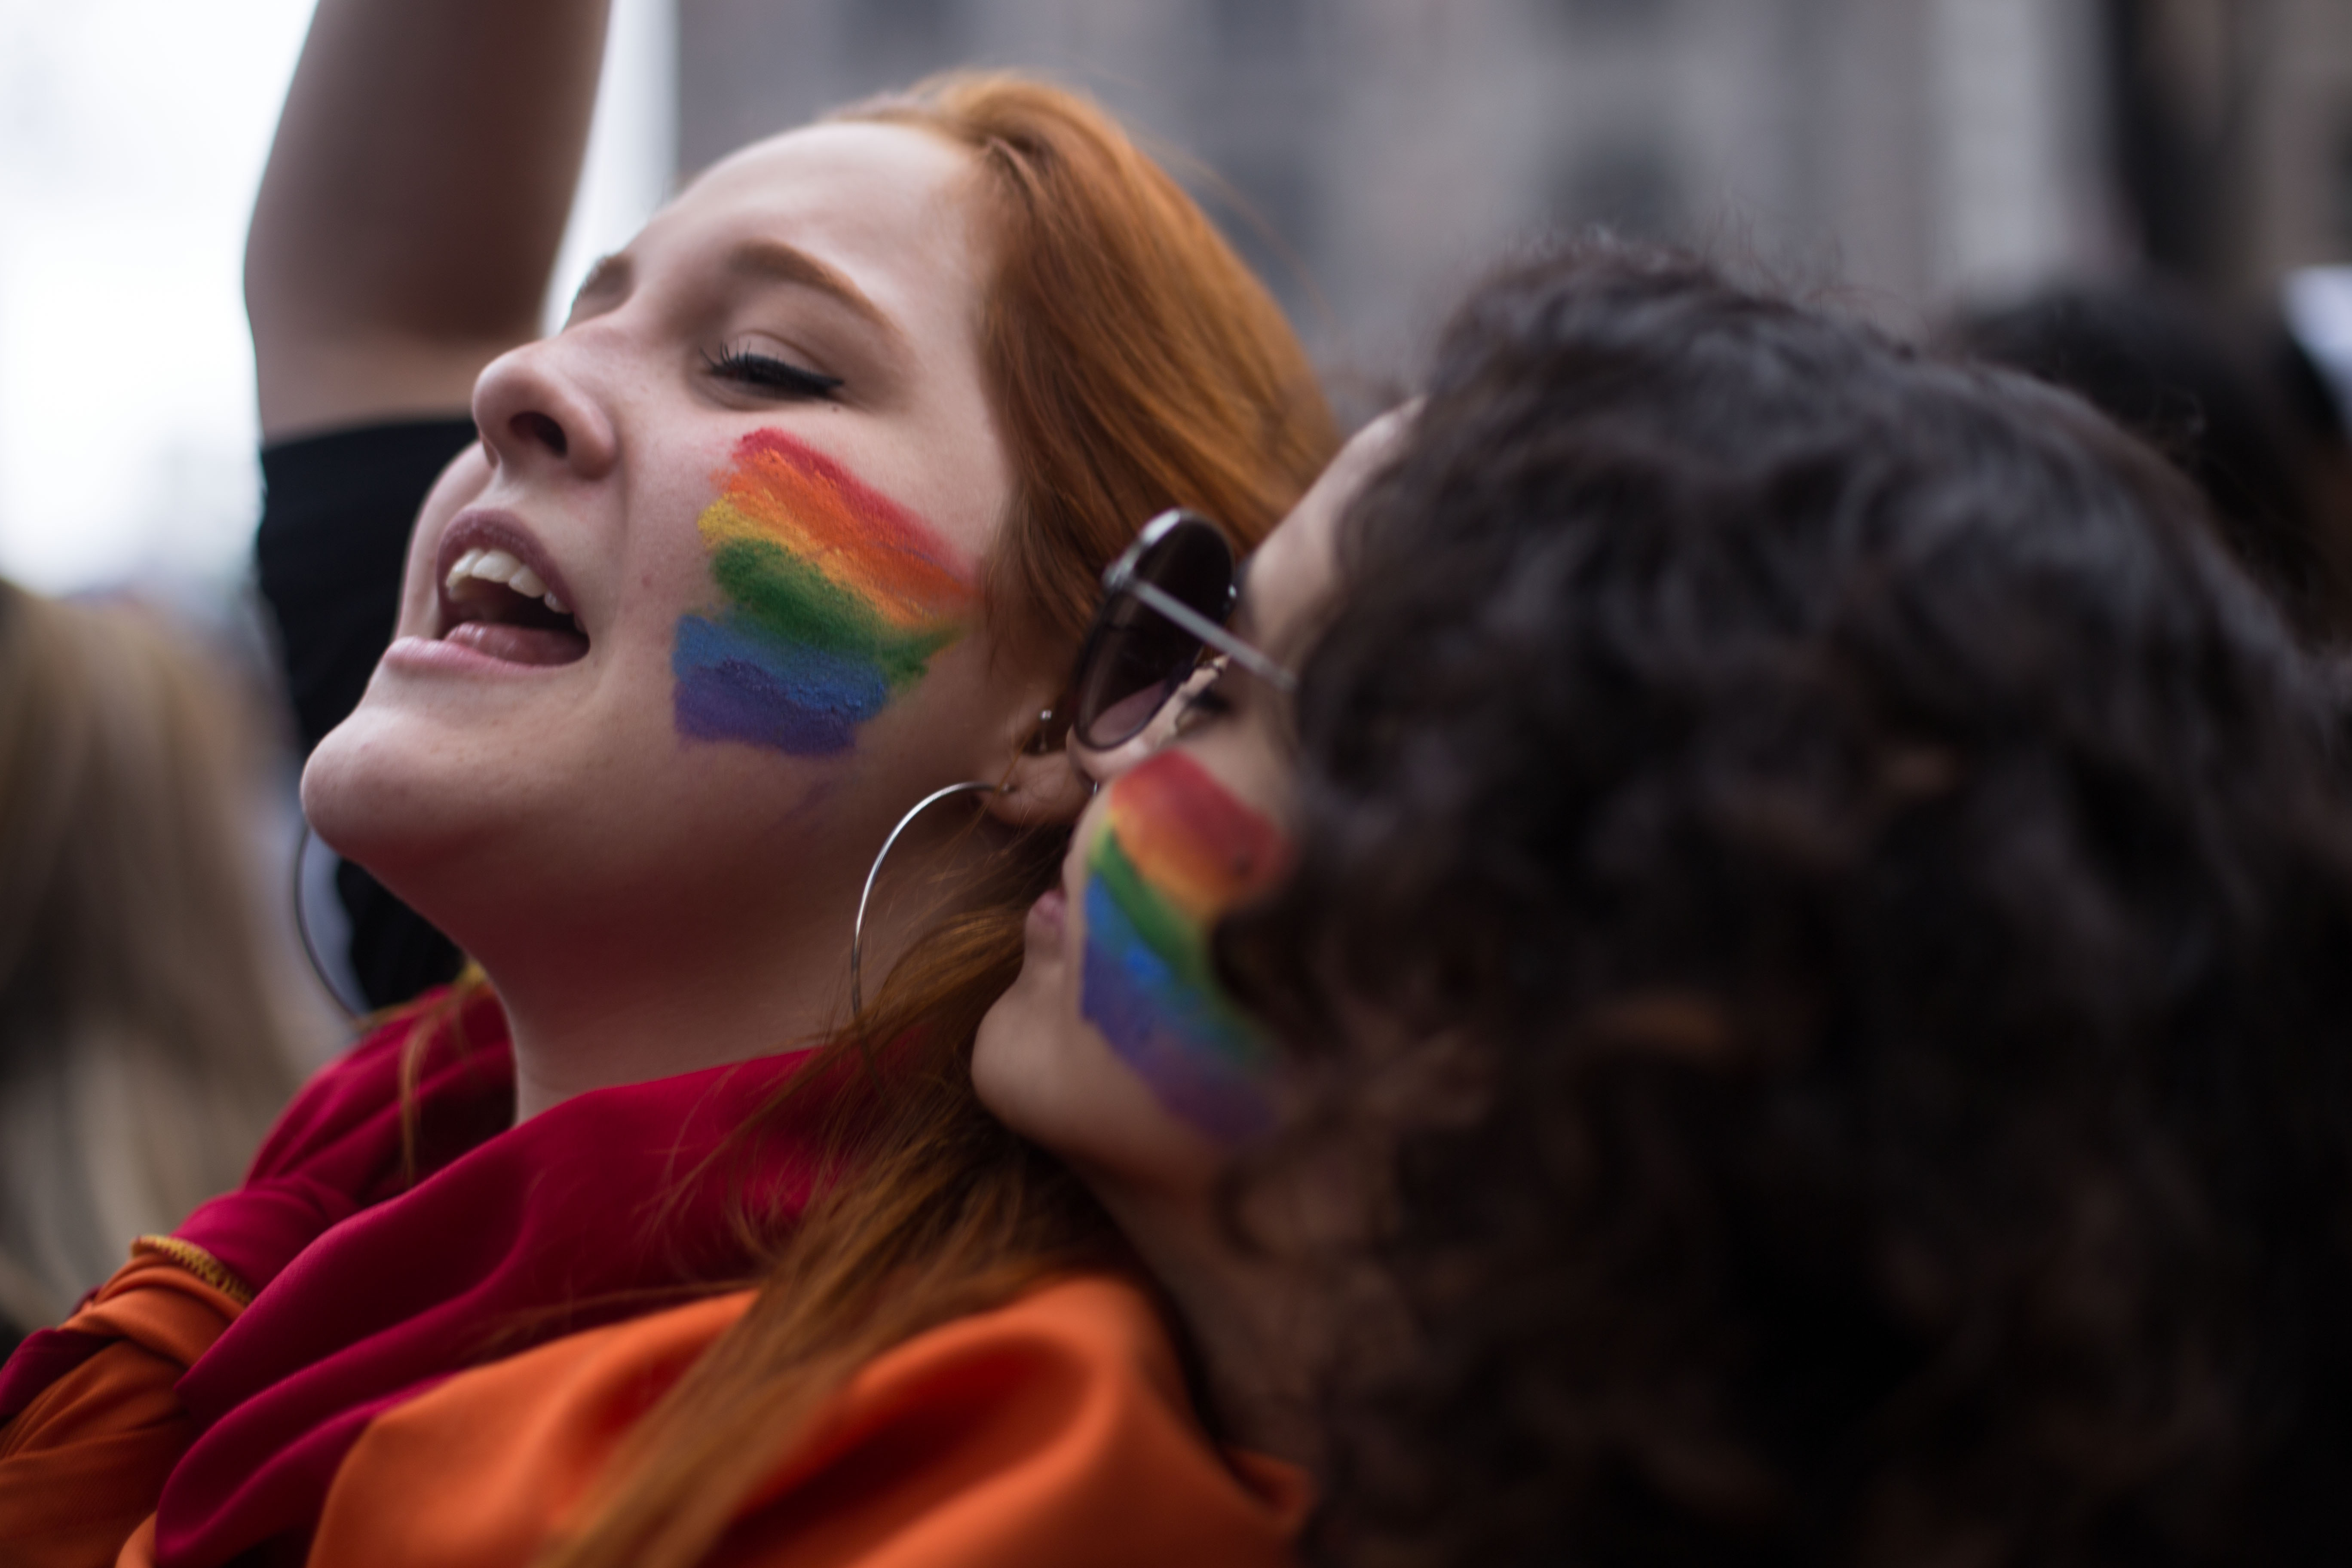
(1043, 787)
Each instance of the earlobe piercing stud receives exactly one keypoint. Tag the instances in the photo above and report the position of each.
(1038, 743)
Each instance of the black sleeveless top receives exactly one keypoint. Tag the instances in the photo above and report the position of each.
(335, 521)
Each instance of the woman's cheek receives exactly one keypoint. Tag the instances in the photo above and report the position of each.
(833, 597)
(1175, 851)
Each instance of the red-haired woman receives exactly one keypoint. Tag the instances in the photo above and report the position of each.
(795, 523)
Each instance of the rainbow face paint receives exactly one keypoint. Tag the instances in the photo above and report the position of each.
(837, 599)
(1175, 852)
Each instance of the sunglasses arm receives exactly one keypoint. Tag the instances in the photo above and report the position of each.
(1214, 635)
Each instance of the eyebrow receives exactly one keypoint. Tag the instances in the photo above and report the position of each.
(772, 261)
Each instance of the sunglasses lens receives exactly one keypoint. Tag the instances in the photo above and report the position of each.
(1138, 657)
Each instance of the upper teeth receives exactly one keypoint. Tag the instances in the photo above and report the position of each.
(498, 567)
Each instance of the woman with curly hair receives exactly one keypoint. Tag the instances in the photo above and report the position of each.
(1808, 903)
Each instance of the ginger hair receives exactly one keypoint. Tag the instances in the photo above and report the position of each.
(1135, 364)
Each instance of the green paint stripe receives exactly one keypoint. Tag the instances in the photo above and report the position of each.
(783, 597)
(1164, 929)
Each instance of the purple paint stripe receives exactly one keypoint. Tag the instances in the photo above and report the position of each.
(1164, 1030)
(737, 686)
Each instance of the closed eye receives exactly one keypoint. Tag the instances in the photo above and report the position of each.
(767, 374)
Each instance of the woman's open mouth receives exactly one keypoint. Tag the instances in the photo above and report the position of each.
(497, 602)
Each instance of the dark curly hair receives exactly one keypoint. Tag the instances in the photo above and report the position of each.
(1865, 861)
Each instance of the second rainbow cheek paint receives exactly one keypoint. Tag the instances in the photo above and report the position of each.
(837, 598)
(1175, 852)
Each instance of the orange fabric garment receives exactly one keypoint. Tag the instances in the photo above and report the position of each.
(83, 1464)
(1054, 1430)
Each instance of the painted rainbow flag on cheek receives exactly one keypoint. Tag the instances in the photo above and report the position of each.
(837, 599)
(1175, 852)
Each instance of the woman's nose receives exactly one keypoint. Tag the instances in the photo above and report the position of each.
(535, 406)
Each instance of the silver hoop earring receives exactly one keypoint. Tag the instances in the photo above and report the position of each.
(858, 931)
(303, 927)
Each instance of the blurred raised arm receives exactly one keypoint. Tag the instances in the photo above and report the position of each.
(413, 201)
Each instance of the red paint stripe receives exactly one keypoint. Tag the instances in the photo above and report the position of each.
(1188, 835)
(777, 475)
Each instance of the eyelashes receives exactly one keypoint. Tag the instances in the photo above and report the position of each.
(768, 374)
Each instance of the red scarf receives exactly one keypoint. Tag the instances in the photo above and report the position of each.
(371, 1290)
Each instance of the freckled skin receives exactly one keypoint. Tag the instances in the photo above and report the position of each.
(648, 903)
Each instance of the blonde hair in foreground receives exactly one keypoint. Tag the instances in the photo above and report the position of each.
(146, 1039)
(1134, 365)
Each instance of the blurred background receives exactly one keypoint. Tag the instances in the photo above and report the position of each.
(1367, 155)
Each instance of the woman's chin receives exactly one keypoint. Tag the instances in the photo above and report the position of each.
(383, 805)
(1008, 1054)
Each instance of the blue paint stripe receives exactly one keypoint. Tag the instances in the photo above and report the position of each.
(736, 685)
(1185, 1046)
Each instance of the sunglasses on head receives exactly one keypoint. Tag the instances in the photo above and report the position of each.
(1165, 602)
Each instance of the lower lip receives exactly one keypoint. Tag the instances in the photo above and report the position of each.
(425, 656)
(1045, 917)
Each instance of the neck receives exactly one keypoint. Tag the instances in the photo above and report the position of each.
(1252, 1320)
(652, 990)
(581, 1024)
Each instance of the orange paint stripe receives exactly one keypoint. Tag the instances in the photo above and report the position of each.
(783, 490)
(1185, 833)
